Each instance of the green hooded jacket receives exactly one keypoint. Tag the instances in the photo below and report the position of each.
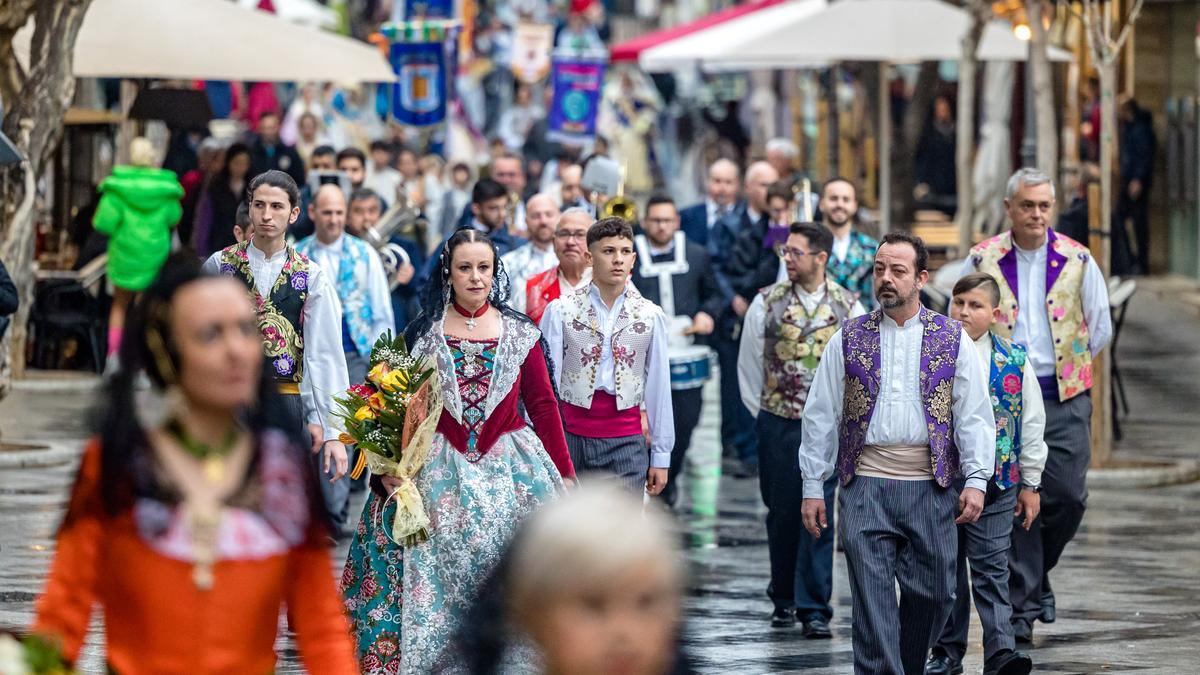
(137, 211)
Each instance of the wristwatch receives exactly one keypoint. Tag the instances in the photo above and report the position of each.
(1036, 489)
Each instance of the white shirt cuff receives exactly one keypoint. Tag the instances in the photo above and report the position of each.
(977, 483)
(660, 460)
(814, 489)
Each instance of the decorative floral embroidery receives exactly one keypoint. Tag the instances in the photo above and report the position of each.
(631, 336)
(855, 272)
(281, 314)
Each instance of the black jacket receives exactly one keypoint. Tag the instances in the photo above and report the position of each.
(279, 156)
(750, 266)
(8, 299)
(695, 290)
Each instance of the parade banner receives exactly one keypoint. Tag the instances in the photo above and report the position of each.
(428, 9)
(532, 44)
(423, 55)
(578, 82)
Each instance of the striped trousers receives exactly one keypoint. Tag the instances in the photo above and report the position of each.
(897, 531)
(625, 457)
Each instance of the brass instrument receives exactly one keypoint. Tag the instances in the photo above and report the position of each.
(510, 214)
(404, 219)
(620, 206)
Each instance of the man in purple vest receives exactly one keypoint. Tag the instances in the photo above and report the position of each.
(900, 406)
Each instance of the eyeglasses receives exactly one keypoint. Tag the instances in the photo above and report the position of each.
(785, 252)
(570, 235)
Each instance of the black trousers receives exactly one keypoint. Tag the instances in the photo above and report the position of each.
(1064, 498)
(801, 566)
(686, 405)
(335, 495)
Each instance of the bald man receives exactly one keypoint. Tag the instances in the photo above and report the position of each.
(541, 217)
(743, 267)
(357, 275)
(698, 220)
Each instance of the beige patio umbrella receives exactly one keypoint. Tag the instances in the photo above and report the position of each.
(212, 40)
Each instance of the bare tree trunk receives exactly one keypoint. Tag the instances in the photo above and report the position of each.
(1043, 85)
(904, 147)
(1108, 155)
(35, 102)
(979, 12)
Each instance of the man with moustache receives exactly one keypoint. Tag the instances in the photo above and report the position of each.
(676, 274)
(853, 255)
(783, 337)
(608, 345)
(1053, 300)
(541, 216)
(573, 271)
(899, 408)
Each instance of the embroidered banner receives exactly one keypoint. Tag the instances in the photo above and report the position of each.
(532, 44)
(429, 9)
(578, 82)
(423, 55)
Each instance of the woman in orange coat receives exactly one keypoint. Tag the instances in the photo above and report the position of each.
(194, 532)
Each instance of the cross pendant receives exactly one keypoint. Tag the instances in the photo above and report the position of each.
(470, 323)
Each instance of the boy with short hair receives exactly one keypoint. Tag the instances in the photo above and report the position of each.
(1015, 488)
(609, 348)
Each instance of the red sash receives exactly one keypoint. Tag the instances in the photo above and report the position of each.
(540, 291)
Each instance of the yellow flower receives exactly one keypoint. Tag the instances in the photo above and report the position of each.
(803, 350)
(395, 380)
(785, 350)
(345, 438)
(364, 413)
(376, 401)
(789, 332)
(377, 373)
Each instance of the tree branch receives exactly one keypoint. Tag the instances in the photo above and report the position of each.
(1133, 15)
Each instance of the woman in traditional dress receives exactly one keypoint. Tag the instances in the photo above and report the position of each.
(193, 532)
(487, 470)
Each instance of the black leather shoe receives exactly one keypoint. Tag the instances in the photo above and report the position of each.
(817, 628)
(783, 618)
(1048, 613)
(941, 664)
(1008, 663)
(1022, 631)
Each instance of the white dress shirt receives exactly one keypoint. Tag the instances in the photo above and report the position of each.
(324, 363)
(750, 350)
(899, 415)
(521, 264)
(658, 369)
(1033, 414)
(1033, 323)
(378, 295)
(841, 246)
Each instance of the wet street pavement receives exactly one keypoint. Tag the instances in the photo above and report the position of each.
(1128, 587)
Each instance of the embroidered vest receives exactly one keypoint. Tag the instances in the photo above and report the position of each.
(794, 342)
(351, 282)
(540, 291)
(856, 272)
(582, 335)
(1006, 375)
(280, 314)
(939, 351)
(1066, 264)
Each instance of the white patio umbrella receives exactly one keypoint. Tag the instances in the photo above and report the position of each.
(693, 49)
(303, 12)
(211, 40)
(888, 31)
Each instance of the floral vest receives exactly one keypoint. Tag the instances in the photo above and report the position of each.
(1066, 264)
(1006, 375)
(856, 272)
(794, 341)
(351, 283)
(280, 316)
(582, 335)
(939, 351)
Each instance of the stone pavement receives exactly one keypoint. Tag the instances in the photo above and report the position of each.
(1128, 587)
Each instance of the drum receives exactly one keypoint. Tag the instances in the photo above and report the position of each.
(691, 366)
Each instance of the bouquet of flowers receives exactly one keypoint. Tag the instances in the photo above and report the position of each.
(392, 417)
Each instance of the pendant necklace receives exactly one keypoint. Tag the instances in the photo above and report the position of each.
(212, 459)
(471, 316)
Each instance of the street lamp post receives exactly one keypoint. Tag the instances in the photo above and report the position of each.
(1029, 140)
